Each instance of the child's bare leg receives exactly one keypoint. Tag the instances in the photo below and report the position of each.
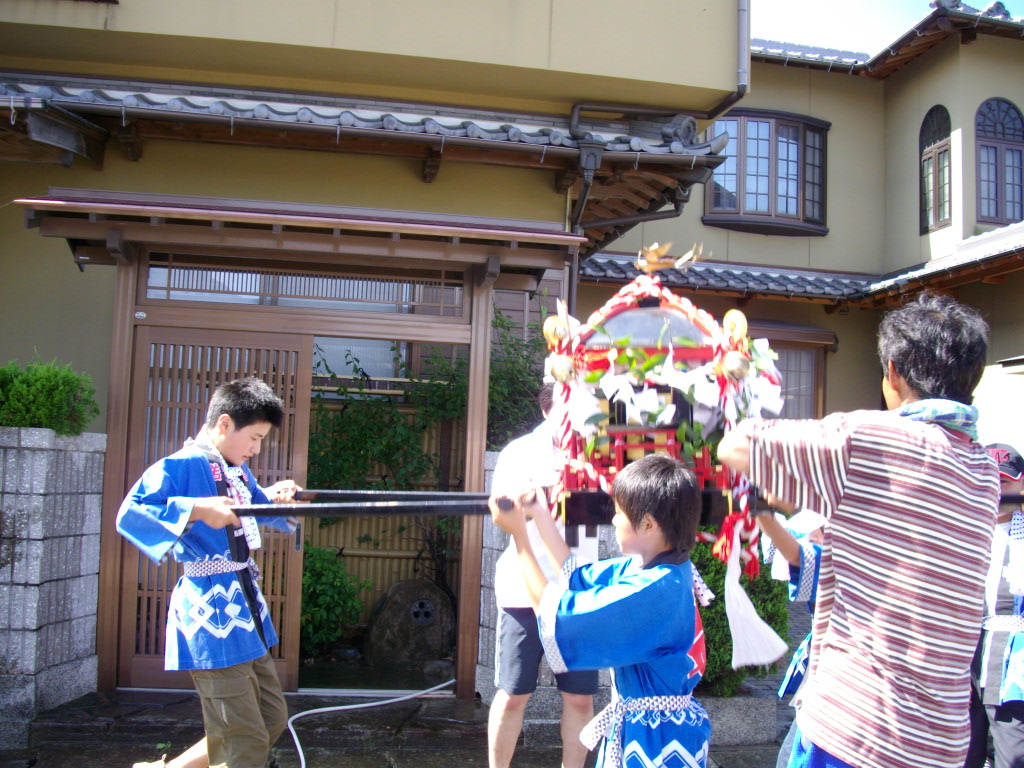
(577, 711)
(193, 757)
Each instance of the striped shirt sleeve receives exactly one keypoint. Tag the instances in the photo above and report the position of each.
(803, 462)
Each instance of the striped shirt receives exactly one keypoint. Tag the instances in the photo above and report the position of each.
(900, 593)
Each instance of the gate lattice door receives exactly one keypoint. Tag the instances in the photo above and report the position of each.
(174, 372)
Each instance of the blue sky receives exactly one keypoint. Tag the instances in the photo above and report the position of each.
(863, 25)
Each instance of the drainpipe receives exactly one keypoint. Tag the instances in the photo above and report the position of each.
(742, 72)
(591, 151)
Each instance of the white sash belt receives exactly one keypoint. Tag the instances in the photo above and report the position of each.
(613, 715)
(198, 568)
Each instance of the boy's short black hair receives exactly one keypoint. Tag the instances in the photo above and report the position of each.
(667, 490)
(246, 401)
(937, 345)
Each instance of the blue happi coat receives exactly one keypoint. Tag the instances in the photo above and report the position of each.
(803, 586)
(643, 623)
(209, 623)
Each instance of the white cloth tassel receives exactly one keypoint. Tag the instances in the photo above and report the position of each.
(753, 642)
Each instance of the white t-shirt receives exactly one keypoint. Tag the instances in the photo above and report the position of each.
(527, 462)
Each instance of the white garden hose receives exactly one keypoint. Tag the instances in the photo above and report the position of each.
(343, 707)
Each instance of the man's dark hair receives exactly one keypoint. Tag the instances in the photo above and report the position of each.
(665, 489)
(246, 401)
(937, 344)
(546, 397)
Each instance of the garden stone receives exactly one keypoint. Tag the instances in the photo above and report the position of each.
(414, 624)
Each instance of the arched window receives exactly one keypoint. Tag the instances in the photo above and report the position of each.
(999, 131)
(935, 177)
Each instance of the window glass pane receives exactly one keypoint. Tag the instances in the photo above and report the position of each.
(725, 179)
(352, 358)
(943, 186)
(758, 146)
(797, 368)
(927, 192)
(788, 164)
(988, 190)
(1014, 207)
(814, 177)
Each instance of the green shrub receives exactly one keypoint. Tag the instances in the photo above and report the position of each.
(768, 595)
(46, 395)
(330, 600)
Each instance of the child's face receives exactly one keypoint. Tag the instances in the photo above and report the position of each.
(237, 446)
(625, 533)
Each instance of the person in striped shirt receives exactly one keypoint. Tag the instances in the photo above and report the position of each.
(911, 500)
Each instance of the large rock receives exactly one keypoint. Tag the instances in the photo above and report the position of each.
(413, 624)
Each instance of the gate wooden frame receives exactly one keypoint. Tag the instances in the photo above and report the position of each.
(117, 228)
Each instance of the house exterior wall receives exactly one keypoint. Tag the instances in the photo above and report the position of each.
(67, 314)
(855, 166)
(1003, 308)
(959, 77)
(530, 53)
(909, 94)
(990, 67)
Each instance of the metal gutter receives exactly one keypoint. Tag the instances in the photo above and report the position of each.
(636, 158)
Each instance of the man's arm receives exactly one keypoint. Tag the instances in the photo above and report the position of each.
(557, 549)
(734, 448)
(783, 540)
(513, 521)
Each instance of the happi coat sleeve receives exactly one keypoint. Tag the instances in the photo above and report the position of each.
(259, 496)
(155, 513)
(615, 614)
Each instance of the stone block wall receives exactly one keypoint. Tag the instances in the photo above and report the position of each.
(50, 494)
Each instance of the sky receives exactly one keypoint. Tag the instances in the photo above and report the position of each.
(864, 26)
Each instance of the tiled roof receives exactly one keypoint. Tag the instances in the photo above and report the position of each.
(165, 101)
(750, 280)
(710, 276)
(786, 52)
(972, 251)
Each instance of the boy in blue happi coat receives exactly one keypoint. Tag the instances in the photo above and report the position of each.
(636, 614)
(218, 624)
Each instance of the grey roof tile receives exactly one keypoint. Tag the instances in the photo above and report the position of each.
(152, 100)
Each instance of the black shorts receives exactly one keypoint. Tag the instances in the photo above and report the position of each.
(517, 655)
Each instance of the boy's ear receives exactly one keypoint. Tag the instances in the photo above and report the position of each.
(224, 423)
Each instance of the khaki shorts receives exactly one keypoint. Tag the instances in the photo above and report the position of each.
(244, 712)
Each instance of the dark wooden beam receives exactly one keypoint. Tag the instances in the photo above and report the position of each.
(431, 165)
(120, 250)
(70, 133)
(130, 141)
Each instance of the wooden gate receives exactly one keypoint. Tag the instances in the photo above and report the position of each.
(174, 372)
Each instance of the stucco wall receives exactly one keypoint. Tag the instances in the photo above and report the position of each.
(542, 54)
(990, 67)
(959, 77)
(855, 172)
(48, 307)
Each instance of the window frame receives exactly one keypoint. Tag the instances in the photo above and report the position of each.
(772, 221)
(933, 153)
(1001, 146)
